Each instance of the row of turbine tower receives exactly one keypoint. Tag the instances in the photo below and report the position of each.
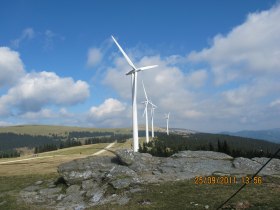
(133, 74)
(153, 107)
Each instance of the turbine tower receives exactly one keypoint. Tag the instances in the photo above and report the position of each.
(146, 102)
(133, 74)
(152, 117)
(167, 121)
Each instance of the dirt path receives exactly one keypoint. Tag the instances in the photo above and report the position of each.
(32, 158)
(13, 161)
(104, 150)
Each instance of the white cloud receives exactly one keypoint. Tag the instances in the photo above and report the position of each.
(251, 92)
(167, 86)
(11, 66)
(49, 38)
(275, 103)
(197, 78)
(4, 124)
(44, 113)
(26, 34)
(250, 48)
(36, 90)
(94, 57)
(110, 107)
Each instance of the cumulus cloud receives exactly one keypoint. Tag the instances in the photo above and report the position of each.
(111, 113)
(244, 65)
(43, 113)
(249, 48)
(110, 107)
(11, 66)
(167, 86)
(197, 78)
(26, 34)
(94, 57)
(36, 90)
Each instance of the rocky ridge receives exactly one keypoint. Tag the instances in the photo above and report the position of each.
(100, 180)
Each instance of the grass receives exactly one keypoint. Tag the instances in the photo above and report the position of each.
(63, 130)
(169, 195)
(11, 186)
(48, 162)
(53, 129)
(185, 194)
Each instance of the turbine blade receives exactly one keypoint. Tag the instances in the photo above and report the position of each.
(154, 106)
(124, 54)
(147, 67)
(145, 110)
(145, 91)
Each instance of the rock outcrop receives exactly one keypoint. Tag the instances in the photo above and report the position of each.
(99, 180)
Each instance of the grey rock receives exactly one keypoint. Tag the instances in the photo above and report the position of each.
(96, 180)
(135, 190)
(38, 182)
(125, 156)
(121, 183)
(76, 171)
(119, 171)
(60, 197)
(73, 189)
(274, 164)
(2, 203)
(245, 165)
(88, 184)
(79, 207)
(32, 188)
(50, 193)
(123, 200)
(74, 198)
(202, 155)
(97, 196)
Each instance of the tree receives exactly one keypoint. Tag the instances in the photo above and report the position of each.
(211, 148)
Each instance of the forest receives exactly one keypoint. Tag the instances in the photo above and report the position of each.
(9, 142)
(166, 145)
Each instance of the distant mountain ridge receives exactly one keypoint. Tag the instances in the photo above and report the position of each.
(272, 135)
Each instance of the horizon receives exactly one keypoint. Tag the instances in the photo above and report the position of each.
(218, 63)
(140, 126)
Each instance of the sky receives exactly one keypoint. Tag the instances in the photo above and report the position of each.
(218, 62)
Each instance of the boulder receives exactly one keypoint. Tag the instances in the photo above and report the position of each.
(125, 156)
(96, 181)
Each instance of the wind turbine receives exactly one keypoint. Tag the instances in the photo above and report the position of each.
(133, 74)
(152, 117)
(146, 102)
(167, 121)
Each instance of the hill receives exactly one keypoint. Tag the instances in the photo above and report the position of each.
(44, 130)
(272, 135)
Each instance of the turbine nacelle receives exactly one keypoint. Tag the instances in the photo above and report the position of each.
(141, 69)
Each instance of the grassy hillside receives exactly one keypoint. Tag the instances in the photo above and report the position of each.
(55, 129)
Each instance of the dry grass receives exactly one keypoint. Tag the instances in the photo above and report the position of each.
(48, 162)
(53, 129)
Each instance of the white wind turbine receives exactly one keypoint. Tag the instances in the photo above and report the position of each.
(167, 121)
(133, 73)
(152, 117)
(146, 102)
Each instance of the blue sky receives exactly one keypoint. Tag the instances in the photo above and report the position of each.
(218, 62)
